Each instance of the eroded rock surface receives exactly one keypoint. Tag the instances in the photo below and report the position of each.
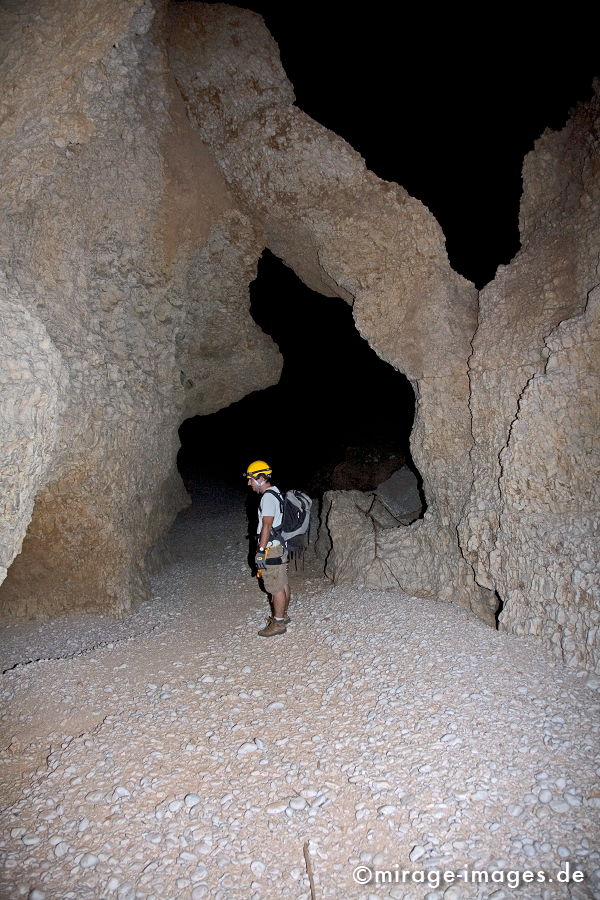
(530, 528)
(124, 270)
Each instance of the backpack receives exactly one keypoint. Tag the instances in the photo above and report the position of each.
(295, 513)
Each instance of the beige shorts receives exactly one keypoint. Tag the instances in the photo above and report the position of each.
(275, 578)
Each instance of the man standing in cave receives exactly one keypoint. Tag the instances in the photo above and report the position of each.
(271, 556)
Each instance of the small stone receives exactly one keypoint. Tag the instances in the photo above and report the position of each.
(120, 792)
(199, 892)
(416, 853)
(247, 747)
(61, 849)
(276, 808)
(153, 837)
(297, 803)
(36, 894)
(515, 810)
(545, 796)
(88, 861)
(387, 810)
(191, 800)
(257, 868)
(452, 893)
(559, 806)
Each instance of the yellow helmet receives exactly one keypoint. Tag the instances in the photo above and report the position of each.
(258, 467)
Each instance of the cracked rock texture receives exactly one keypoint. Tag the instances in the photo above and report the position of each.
(530, 528)
(124, 266)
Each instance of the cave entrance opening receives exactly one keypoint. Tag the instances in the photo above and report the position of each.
(339, 418)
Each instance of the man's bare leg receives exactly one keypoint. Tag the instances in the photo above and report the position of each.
(280, 602)
(288, 594)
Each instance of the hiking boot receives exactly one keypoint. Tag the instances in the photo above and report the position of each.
(272, 628)
(286, 620)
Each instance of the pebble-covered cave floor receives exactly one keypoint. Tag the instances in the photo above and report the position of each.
(179, 755)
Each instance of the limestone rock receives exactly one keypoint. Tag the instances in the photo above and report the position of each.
(34, 383)
(353, 536)
(358, 550)
(547, 559)
(400, 494)
(530, 528)
(124, 272)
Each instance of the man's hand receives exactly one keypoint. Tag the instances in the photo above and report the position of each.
(261, 559)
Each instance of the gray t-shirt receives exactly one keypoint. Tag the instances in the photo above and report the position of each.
(269, 506)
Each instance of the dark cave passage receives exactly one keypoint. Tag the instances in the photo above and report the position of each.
(339, 417)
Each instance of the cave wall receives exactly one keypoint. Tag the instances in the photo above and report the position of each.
(530, 528)
(124, 272)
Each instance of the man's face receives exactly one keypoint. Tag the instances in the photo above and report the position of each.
(255, 485)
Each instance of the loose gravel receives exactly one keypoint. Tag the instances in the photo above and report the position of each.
(178, 755)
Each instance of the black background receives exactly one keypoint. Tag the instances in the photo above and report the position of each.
(447, 105)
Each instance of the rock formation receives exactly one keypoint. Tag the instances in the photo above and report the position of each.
(346, 232)
(131, 234)
(530, 528)
(124, 268)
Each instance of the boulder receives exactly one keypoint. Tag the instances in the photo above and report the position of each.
(400, 495)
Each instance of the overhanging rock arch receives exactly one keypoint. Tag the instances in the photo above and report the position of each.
(347, 233)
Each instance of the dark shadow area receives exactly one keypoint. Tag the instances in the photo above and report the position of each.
(339, 417)
(499, 609)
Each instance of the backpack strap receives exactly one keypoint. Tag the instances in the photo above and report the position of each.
(275, 494)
